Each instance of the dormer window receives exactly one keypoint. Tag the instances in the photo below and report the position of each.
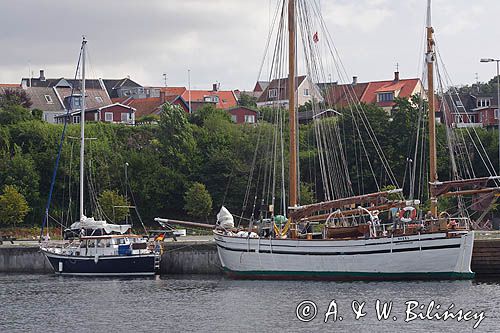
(76, 102)
(483, 102)
(214, 99)
(459, 103)
(48, 99)
(273, 93)
(99, 99)
(385, 97)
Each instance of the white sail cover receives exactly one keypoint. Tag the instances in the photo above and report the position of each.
(90, 223)
(225, 219)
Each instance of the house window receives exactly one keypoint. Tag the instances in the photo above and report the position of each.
(386, 97)
(249, 118)
(483, 102)
(125, 117)
(306, 92)
(207, 99)
(76, 119)
(215, 99)
(49, 99)
(459, 103)
(273, 93)
(108, 116)
(472, 118)
(76, 102)
(99, 99)
(496, 113)
(233, 118)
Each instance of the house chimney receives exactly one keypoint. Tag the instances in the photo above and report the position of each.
(214, 87)
(354, 80)
(42, 75)
(162, 96)
(396, 76)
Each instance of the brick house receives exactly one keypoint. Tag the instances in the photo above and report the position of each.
(152, 105)
(276, 92)
(379, 93)
(471, 110)
(115, 113)
(243, 115)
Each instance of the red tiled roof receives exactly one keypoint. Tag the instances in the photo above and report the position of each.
(120, 100)
(173, 90)
(10, 85)
(341, 95)
(406, 87)
(144, 106)
(226, 97)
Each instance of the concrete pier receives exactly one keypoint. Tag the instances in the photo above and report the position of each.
(190, 258)
(23, 259)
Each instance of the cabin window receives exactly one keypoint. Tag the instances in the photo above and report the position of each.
(273, 93)
(108, 116)
(99, 99)
(385, 97)
(49, 99)
(234, 119)
(76, 119)
(306, 92)
(249, 118)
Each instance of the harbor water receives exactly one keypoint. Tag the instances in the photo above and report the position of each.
(193, 303)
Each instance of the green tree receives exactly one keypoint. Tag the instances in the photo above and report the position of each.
(13, 206)
(114, 205)
(15, 97)
(176, 137)
(247, 100)
(198, 201)
(12, 114)
(208, 111)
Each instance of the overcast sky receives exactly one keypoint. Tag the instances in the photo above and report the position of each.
(223, 40)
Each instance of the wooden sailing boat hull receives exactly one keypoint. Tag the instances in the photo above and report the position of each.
(131, 265)
(427, 256)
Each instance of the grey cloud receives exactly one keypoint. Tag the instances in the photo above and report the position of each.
(223, 40)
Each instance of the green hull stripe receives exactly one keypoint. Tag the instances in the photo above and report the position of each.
(349, 275)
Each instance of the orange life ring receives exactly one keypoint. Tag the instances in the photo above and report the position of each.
(411, 217)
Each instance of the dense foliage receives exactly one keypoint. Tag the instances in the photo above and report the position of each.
(13, 206)
(166, 157)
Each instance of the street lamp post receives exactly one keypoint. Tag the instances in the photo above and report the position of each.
(498, 101)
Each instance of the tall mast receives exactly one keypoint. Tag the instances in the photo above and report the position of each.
(82, 130)
(291, 104)
(432, 121)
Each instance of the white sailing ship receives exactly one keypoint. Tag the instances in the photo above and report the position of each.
(436, 246)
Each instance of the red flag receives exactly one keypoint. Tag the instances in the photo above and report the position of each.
(316, 37)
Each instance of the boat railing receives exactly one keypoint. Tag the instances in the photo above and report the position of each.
(61, 244)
